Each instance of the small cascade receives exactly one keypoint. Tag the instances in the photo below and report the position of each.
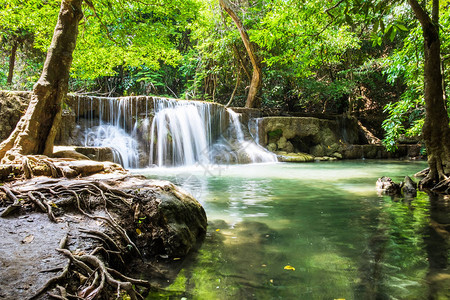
(148, 131)
(249, 148)
(181, 132)
(111, 122)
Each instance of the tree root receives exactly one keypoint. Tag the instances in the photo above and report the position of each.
(103, 276)
(443, 187)
(52, 281)
(46, 194)
(16, 203)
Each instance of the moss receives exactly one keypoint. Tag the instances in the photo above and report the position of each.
(274, 135)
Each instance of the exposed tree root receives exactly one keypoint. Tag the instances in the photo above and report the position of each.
(29, 166)
(45, 195)
(52, 281)
(101, 276)
(116, 221)
(15, 205)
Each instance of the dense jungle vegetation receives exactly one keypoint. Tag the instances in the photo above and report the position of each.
(359, 57)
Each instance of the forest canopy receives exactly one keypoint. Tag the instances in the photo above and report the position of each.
(356, 57)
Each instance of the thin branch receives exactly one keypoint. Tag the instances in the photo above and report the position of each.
(327, 11)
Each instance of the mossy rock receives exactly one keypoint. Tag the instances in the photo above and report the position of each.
(294, 157)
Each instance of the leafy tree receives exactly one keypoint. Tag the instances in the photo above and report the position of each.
(126, 28)
(25, 28)
(435, 128)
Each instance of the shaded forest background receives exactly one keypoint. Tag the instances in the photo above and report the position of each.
(355, 57)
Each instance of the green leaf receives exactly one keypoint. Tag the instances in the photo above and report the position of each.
(401, 27)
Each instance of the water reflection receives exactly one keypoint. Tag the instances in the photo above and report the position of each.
(324, 220)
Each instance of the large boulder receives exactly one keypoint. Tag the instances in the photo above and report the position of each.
(126, 223)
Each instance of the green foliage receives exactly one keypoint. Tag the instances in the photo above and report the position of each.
(337, 56)
(404, 67)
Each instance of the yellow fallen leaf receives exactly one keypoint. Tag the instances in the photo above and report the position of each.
(138, 231)
(217, 229)
(288, 267)
(176, 258)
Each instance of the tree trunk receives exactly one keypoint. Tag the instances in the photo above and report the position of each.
(436, 130)
(12, 60)
(36, 130)
(255, 85)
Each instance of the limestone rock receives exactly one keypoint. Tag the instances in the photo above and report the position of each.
(86, 167)
(294, 157)
(70, 154)
(272, 147)
(337, 155)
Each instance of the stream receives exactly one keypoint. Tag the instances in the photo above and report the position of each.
(305, 231)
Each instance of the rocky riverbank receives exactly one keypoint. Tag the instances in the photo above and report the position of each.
(87, 237)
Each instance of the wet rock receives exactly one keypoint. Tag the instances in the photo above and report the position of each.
(409, 188)
(325, 158)
(386, 185)
(294, 157)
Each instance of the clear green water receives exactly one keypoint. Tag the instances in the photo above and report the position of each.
(323, 219)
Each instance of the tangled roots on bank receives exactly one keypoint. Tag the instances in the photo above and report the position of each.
(16, 166)
(134, 218)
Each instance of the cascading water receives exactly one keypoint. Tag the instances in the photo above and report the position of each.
(250, 148)
(174, 133)
(111, 128)
(190, 132)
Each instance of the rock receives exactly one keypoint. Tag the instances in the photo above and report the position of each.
(172, 221)
(70, 154)
(97, 153)
(12, 107)
(272, 147)
(337, 155)
(386, 185)
(86, 167)
(151, 219)
(294, 157)
(409, 188)
(282, 143)
(325, 158)
(318, 150)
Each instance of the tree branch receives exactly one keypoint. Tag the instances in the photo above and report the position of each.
(420, 13)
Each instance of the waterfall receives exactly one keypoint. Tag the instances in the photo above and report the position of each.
(108, 123)
(249, 147)
(173, 133)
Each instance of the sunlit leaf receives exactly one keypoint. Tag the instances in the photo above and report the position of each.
(288, 267)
